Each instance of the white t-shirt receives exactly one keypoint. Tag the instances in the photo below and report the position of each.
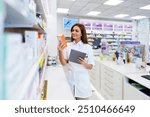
(77, 74)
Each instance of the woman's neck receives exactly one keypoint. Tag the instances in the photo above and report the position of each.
(77, 40)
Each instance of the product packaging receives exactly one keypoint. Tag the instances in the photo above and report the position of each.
(2, 17)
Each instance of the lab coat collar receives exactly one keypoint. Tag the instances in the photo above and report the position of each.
(79, 43)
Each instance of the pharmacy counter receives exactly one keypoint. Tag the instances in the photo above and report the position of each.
(136, 87)
(58, 87)
(124, 68)
(110, 79)
(137, 78)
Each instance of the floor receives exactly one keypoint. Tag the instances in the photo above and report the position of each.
(96, 95)
(55, 82)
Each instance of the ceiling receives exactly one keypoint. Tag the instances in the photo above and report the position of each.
(82, 7)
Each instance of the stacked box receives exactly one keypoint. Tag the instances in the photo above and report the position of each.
(2, 17)
(13, 64)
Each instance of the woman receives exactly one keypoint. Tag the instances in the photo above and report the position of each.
(78, 76)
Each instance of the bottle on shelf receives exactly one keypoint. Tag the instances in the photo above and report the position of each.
(128, 58)
(117, 57)
(114, 57)
(124, 57)
(104, 46)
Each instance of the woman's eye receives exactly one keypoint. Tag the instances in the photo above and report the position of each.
(74, 31)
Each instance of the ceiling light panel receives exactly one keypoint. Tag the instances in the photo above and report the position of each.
(138, 17)
(113, 2)
(62, 10)
(147, 7)
(93, 13)
(121, 15)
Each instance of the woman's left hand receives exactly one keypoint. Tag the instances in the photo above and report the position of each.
(82, 61)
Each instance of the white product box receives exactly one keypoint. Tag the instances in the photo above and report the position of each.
(41, 46)
(2, 16)
(31, 38)
(33, 89)
(13, 64)
(32, 7)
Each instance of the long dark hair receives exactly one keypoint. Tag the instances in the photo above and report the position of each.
(83, 32)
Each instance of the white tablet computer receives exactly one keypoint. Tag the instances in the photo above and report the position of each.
(74, 56)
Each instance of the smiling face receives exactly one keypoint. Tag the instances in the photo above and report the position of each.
(76, 33)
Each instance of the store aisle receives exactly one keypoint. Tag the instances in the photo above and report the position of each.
(58, 87)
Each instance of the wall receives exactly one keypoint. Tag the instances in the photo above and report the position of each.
(60, 28)
(52, 29)
(60, 17)
(143, 29)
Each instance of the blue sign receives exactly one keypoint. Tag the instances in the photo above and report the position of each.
(69, 22)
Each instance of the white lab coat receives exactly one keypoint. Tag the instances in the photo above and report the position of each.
(77, 74)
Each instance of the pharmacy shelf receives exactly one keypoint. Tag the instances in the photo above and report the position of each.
(18, 14)
(39, 28)
(29, 79)
(40, 8)
(42, 77)
(20, 17)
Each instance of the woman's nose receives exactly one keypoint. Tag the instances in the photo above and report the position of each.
(73, 32)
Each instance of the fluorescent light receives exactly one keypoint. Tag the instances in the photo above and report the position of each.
(113, 2)
(147, 7)
(62, 10)
(138, 17)
(93, 13)
(121, 15)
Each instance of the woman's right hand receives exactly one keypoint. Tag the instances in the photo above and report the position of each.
(61, 47)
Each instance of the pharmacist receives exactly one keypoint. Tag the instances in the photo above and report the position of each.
(78, 76)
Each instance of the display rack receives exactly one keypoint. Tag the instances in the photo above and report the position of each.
(20, 19)
(40, 8)
(30, 78)
(43, 75)
(109, 30)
